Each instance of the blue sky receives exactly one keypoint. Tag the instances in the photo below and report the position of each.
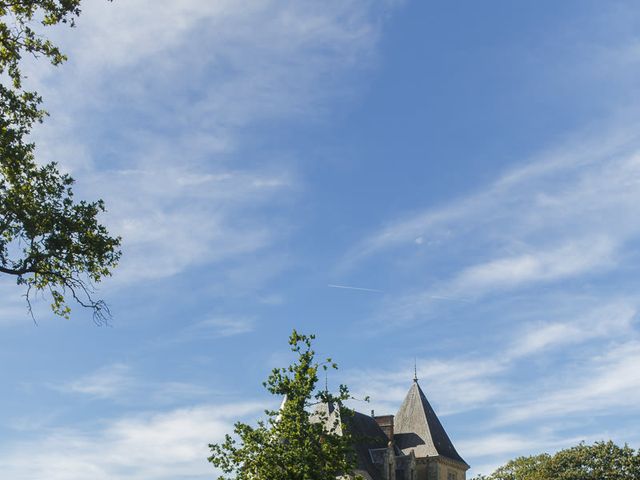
(472, 168)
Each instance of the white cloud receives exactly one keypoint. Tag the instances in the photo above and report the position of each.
(608, 382)
(272, 299)
(165, 445)
(180, 218)
(501, 444)
(566, 215)
(217, 327)
(555, 193)
(152, 111)
(106, 382)
(211, 328)
(560, 262)
(121, 384)
(209, 68)
(615, 319)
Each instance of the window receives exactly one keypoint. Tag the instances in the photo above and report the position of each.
(452, 475)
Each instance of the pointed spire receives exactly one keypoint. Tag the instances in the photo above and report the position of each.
(417, 428)
(282, 404)
(415, 370)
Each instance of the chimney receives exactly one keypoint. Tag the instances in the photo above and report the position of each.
(386, 424)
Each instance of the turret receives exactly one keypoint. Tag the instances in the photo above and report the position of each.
(418, 430)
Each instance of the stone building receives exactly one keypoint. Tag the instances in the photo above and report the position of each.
(412, 445)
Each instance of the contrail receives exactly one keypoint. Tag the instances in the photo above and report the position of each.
(441, 297)
(346, 287)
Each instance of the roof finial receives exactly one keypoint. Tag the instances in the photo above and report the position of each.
(326, 383)
(415, 370)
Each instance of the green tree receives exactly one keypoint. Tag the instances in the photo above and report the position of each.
(600, 461)
(48, 241)
(294, 443)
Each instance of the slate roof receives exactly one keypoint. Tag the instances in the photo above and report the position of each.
(417, 428)
(365, 430)
(368, 436)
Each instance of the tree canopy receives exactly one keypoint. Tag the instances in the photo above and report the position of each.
(600, 461)
(48, 241)
(294, 443)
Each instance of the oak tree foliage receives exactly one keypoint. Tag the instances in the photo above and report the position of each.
(600, 461)
(298, 441)
(49, 241)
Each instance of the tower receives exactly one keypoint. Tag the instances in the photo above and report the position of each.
(418, 430)
(412, 445)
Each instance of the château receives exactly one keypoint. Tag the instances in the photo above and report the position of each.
(412, 445)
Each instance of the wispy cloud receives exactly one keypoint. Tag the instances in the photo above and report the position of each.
(349, 287)
(171, 149)
(122, 384)
(608, 381)
(553, 193)
(612, 320)
(106, 382)
(128, 447)
(211, 328)
(217, 327)
(567, 214)
(174, 223)
(535, 266)
(504, 443)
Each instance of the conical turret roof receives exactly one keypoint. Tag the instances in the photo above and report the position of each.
(418, 429)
